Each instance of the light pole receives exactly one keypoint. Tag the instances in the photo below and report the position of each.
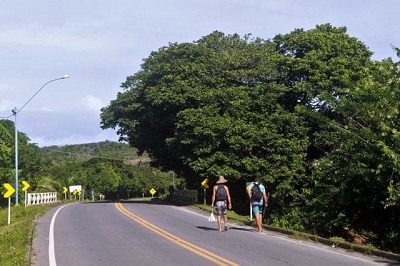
(15, 112)
(173, 178)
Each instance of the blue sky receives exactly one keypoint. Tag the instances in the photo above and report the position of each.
(100, 43)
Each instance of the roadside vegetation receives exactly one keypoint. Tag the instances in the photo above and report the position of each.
(16, 237)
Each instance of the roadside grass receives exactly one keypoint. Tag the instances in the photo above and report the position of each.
(16, 237)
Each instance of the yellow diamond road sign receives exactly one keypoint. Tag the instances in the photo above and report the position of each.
(152, 191)
(26, 185)
(10, 190)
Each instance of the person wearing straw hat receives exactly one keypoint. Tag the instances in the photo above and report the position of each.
(222, 200)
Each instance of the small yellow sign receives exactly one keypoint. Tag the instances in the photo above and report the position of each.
(26, 185)
(10, 190)
(152, 191)
(65, 190)
(205, 183)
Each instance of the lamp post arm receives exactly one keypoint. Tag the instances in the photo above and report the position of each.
(44, 85)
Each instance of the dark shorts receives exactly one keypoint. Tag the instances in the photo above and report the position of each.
(221, 208)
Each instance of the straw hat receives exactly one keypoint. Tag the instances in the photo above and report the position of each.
(221, 180)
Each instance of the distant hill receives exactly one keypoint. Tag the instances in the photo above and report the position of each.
(82, 152)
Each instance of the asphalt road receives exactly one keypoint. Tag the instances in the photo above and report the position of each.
(146, 233)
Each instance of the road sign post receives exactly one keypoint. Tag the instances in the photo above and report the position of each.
(205, 186)
(25, 188)
(152, 191)
(10, 191)
(65, 190)
(9, 211)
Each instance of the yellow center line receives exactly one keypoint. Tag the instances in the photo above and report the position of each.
(179, 241)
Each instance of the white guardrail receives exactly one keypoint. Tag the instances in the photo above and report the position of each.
(41, 198)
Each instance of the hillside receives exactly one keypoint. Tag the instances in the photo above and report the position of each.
(83, 152)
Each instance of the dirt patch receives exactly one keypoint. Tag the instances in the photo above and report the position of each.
(138, 160)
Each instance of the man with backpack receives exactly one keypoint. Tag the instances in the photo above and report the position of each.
(222, 200)
(259, 199)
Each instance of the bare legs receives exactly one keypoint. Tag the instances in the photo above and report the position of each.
(258, 217)
(219, 222)
(224, 219)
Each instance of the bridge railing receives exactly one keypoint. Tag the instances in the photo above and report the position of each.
(41, 198)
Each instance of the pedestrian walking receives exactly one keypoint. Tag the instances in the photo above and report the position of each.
(222, 200)
(259, 200)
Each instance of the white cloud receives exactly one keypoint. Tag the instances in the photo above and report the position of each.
(38, 36)
(6, 106)
(47, 109)
(91, 103)
(103, 135)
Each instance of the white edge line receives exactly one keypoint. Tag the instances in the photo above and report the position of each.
(52, 255)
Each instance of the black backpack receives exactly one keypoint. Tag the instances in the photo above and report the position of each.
(256, 194)
(221, 193)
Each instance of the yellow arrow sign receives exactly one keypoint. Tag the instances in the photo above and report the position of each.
(65, 190)
(204, 183)
(10, 190)
(26, 185)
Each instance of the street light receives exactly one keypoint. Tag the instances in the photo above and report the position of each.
(15, 112)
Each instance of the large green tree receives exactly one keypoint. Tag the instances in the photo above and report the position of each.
(199, 105)
(213, 107)
(319, 68)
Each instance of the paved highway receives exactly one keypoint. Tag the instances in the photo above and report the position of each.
(146, 233)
